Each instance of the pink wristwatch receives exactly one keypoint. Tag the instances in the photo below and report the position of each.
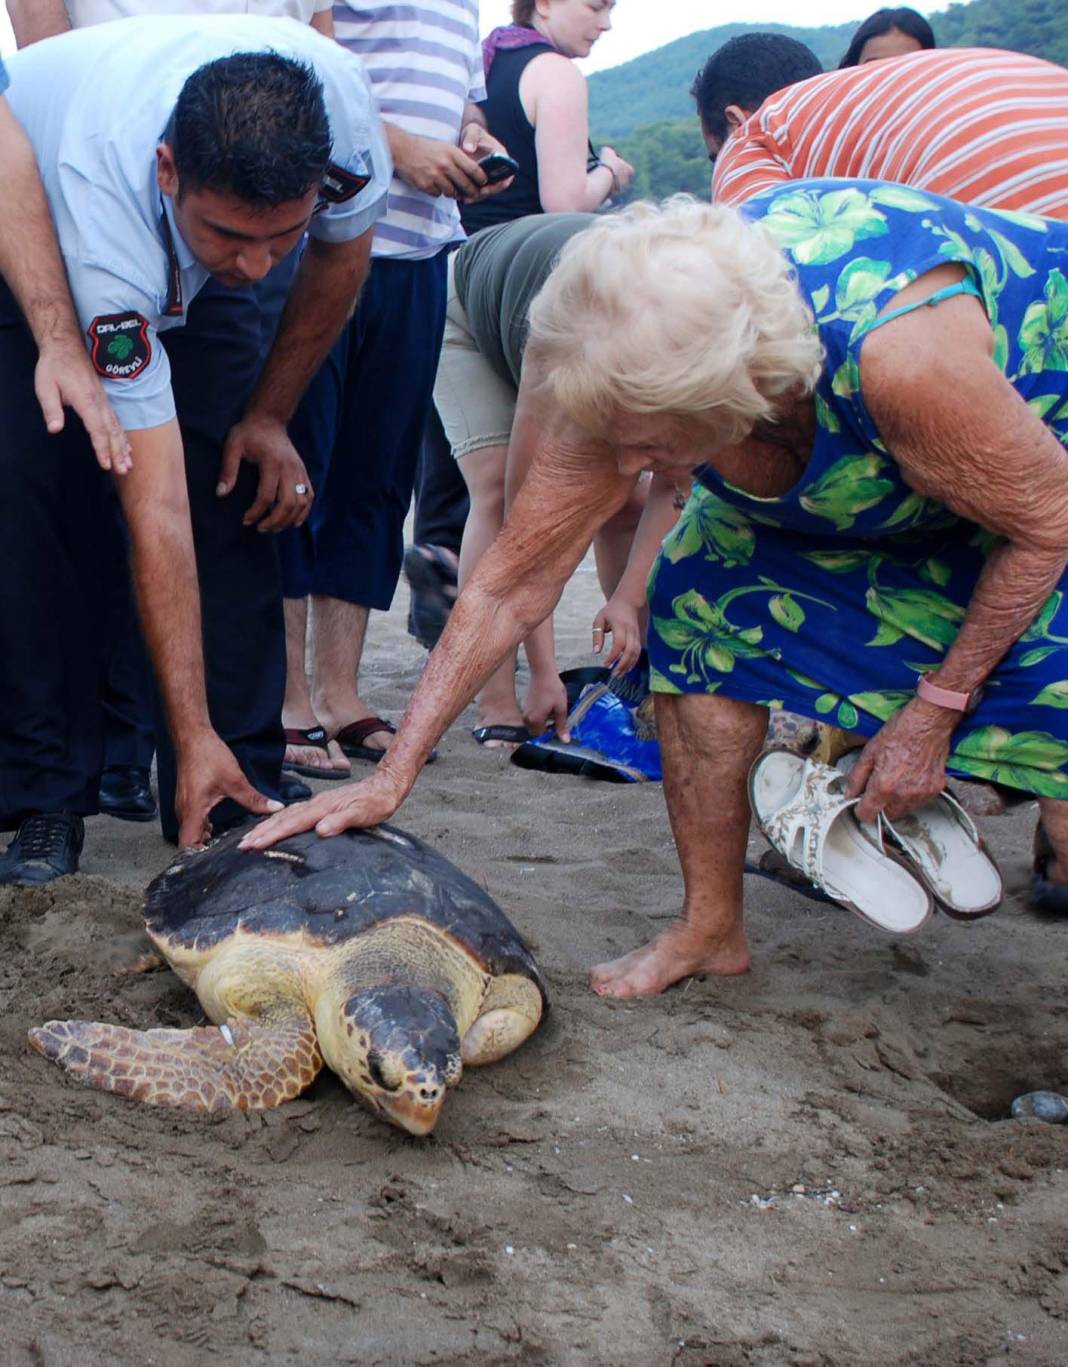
(946, 697)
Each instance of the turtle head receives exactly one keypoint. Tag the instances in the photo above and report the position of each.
(398, 1049)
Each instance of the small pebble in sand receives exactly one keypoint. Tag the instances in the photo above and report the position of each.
(1048, 1106)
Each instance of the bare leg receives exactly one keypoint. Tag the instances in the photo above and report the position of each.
(611, 545)
(338, 630)
(1054, 815)
(483, 473)
(297, 710)
(707, 744)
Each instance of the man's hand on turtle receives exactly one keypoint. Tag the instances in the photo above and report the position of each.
(284, 496)
(367, 803)
(65, 378)
(207, 774)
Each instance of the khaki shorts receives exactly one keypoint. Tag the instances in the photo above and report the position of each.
(475, 405)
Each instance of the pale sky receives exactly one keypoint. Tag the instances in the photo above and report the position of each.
(641, 25)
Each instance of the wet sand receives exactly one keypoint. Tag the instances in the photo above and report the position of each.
(809, 1165)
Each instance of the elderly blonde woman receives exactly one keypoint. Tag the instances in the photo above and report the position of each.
(871, 386)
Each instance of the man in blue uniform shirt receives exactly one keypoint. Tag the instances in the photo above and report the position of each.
(31, 265)
(169, 153)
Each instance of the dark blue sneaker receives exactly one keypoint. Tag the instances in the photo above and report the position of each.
(45, 847)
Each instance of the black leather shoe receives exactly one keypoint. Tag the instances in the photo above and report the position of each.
(44, 847)
(125, 792)
(291, 790)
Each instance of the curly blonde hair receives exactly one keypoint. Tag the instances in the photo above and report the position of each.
(680, 308)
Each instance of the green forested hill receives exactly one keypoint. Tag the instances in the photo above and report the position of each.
(657, 86)
(644, 109)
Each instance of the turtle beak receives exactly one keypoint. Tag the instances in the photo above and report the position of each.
(414, 1113)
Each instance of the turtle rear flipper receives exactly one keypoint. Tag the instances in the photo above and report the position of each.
(257, 1067)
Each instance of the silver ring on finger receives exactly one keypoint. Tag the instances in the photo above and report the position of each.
(300, 489)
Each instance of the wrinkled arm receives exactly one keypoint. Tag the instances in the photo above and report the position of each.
(572, 488)
(31, 264)
(33, 20)
(156, 507)
(963, 436)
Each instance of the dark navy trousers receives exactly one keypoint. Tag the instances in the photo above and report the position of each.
(63, 586)
(359, 429)
(60, 550)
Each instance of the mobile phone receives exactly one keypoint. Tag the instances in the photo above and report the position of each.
(497, 167)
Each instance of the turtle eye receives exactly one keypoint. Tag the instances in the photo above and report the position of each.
(384, 1071)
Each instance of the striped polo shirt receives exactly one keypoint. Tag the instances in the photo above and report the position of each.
(425, 63)
(976, 124)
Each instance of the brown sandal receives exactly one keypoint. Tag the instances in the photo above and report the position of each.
(351, 739)
(315, 737)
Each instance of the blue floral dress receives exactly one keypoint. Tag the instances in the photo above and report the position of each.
(833, 599)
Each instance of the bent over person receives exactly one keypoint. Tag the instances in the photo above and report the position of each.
(870, 385)
(209, 151)
(975, 124)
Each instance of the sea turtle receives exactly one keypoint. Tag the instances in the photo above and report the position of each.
(367, 950)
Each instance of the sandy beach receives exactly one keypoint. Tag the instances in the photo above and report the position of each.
(812, 1164)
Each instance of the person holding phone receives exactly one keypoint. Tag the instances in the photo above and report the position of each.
(536, 103)
(361, 424)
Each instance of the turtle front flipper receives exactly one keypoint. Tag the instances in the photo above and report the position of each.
(510, 1013)
(239, 1066)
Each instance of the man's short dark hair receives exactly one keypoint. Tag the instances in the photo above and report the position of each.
(254, 126)
(745, 71)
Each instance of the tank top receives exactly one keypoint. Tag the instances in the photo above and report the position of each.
(507, 121)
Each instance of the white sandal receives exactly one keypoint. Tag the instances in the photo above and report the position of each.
(801, 807)
(947, 853)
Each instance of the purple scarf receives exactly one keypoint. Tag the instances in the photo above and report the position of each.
(505, 39)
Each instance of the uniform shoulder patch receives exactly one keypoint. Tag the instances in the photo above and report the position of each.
(340, 185)
(120, 345)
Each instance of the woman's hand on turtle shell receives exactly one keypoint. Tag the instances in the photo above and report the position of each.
(904, 764)
(354, 805)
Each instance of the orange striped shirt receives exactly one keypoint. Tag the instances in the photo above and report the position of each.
(976, 124)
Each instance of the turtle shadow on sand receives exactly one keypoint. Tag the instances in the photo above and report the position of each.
(367, 951)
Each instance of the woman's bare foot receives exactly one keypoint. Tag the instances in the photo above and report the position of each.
(676, 953)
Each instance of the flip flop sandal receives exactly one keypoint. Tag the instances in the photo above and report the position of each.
(315, 736)
(1046, 895)
(802, 811)
(508, 735)
(775, 869)
(947, 854)
(351, 739)
(431, 576)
